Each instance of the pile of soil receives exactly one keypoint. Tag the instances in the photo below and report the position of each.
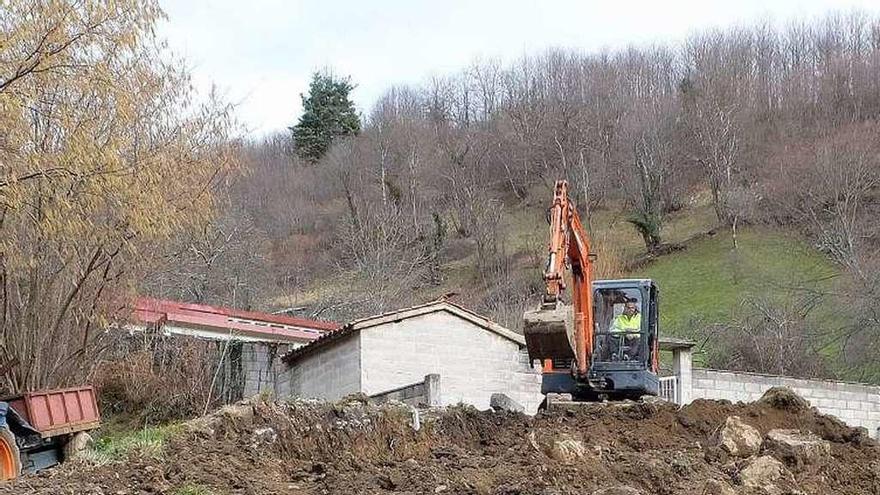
(353, 447)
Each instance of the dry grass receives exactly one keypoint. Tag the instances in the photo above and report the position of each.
(159, 380)
(609, 262)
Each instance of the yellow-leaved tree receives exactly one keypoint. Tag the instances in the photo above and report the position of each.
(103, 156)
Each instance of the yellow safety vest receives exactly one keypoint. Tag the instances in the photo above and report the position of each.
(625, 323)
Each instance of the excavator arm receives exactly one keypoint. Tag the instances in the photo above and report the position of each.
(548, 330)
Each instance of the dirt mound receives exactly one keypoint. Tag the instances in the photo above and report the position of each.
(352, 447)
(785, 399)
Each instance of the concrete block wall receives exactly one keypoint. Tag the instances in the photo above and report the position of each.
(526, 385)
(855, 404)
(473, 362)
(261, 367)
(330, 373)
(421, 394)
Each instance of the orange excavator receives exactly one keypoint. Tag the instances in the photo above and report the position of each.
(604, 343)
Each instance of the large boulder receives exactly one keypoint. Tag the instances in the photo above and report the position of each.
(796, 448)
(501, 402)
(77, 444)
(762, 471)
(737, 438)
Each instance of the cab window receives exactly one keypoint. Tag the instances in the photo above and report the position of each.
(619, 322)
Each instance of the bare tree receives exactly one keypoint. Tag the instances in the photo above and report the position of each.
(223, 263)
(103, 157)
(770, 336)
(653, 162)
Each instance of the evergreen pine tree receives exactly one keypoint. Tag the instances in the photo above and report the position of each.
(327, 113)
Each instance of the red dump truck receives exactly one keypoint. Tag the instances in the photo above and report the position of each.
(39, 429)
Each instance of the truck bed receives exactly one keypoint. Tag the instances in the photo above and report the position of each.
(60, 411)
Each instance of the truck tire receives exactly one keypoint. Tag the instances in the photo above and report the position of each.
(10, 458)
(76, 444)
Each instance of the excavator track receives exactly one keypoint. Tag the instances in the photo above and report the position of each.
(562, 402)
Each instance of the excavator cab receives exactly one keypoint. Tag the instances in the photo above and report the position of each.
(624, 360)
(625, 356)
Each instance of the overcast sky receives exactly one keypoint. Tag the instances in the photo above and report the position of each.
(260, 54)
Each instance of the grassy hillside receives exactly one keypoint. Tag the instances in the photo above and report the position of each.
(708, 281)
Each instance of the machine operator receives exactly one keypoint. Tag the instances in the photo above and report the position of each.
(627, 326)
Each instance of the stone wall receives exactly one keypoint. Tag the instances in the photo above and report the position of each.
(261, 367)
(855, 404)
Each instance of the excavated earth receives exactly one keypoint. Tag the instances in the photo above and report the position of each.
(351, 447)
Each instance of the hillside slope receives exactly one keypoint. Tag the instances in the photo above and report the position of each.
(707, 282)
(710, 280)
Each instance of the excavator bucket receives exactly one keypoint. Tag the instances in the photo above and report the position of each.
(549, 332)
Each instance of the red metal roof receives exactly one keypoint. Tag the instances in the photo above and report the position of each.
(225, 320)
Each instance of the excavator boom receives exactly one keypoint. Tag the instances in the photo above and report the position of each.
(555, 331)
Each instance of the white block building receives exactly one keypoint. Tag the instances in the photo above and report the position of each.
(473, 356)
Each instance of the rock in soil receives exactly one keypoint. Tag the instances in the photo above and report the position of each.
(567, 449)
(796, 448)
(762, 472)
(737, 438)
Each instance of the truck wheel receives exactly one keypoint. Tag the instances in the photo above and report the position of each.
(76, 444)
(10, 459)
